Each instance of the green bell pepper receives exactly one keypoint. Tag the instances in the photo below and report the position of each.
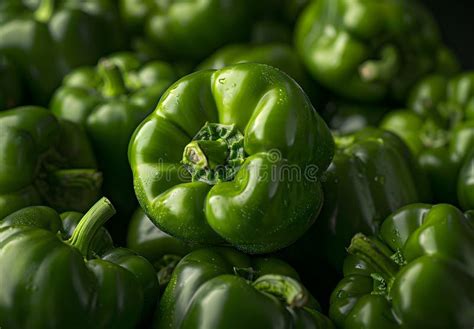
(45, 161)
(10, 85)
(30, 44)
(189, 29)
(48, 38)
(83, 30)
(161, 249)
(370, 50)
(439, 128)
(232, 155)
(222, 288)
(417, 272)
(110, 101)
(57, 278)
(372, 174)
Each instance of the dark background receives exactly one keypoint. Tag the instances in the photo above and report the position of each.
(456, 21)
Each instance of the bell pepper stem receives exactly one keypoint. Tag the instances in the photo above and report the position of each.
(215, 153)
(383, 69)
(165, 267)
(283, 287)
(45, 10)
(247, 273)
(90, 223)
(376, 255)
(205, 153)
(112, 77)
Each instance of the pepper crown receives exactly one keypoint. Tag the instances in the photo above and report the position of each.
(215, 154)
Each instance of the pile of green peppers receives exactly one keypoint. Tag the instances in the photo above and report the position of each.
(221, 164)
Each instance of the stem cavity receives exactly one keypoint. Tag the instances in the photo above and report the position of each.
(215, 154)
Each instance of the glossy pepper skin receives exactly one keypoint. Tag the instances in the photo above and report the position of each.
(251, 123)
(372, 174)
(45, 161)
(370, 50)
(59, 278)
(110, 101)
(219, 288)
(418, 271)
(439, 128)
(48, 38)
(276, 54)
(190, 29)
(162, 250)
(10, 85)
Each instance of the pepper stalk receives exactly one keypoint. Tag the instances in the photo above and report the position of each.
(90, 223)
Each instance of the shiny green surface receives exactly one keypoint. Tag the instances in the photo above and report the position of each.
(45, 161)
(51, 270)
(370, 50)
(276, 54)
(419, 270)
(110, 101)
(439, 129)
(222, 288)
(263, 208)
(372, 174)
(48, 39)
